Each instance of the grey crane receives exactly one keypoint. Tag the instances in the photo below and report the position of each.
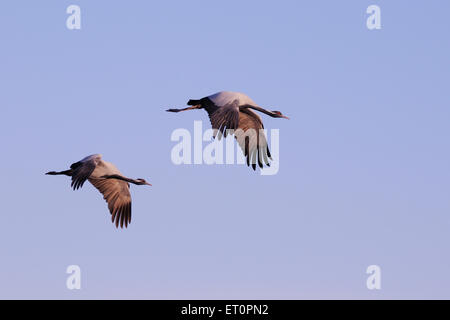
(109, 181)
(230, 112)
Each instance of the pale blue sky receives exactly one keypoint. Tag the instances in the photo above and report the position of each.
(364, 161)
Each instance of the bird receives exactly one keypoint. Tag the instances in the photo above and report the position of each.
(230, 111)
(109, 181)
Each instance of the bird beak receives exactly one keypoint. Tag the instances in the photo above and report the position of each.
(148, 184)
(285, 117)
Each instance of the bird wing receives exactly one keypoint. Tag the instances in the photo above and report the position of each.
(81, 170)
(223, 118)
(117, 195)
(252, 140)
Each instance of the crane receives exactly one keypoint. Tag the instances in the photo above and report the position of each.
(109, 181)
(231, 113)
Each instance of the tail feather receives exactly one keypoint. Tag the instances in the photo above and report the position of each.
(193, 102)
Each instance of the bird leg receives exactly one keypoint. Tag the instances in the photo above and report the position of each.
(188, 108)
(54, 173)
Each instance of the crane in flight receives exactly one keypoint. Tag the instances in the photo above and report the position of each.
(109, 181)
(230, 113)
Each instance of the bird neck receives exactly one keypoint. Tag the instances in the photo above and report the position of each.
(269, 113)
(119, 177)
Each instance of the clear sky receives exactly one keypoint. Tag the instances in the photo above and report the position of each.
(364, 173)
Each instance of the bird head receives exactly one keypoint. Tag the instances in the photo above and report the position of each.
(143, 182)
(278, 114)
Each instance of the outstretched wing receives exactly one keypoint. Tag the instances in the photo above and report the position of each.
(223, 118)
(81, 170)
(117, 195)
(252, 140)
